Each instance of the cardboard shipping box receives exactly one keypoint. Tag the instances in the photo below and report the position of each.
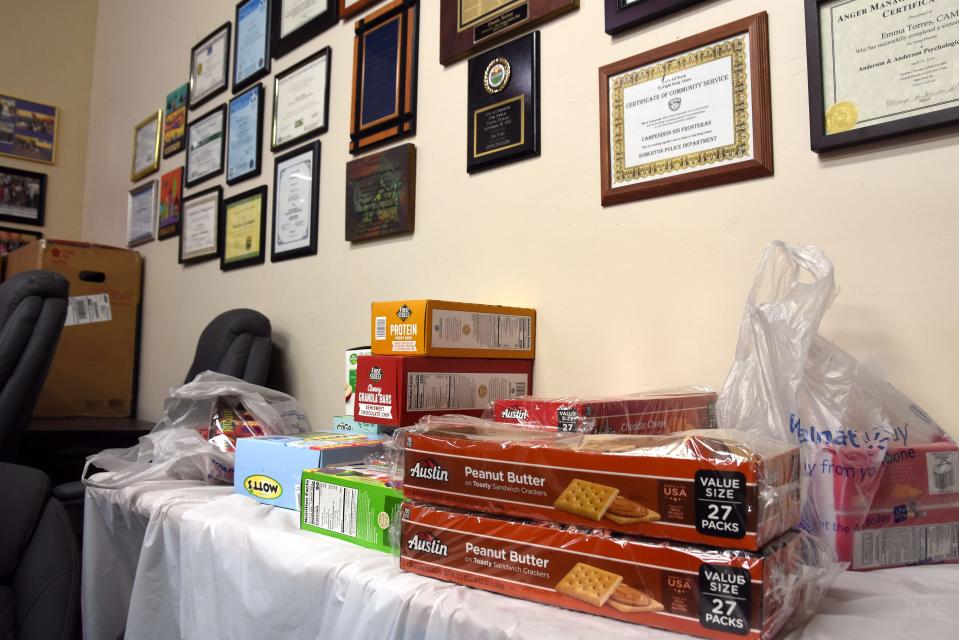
(94, 369)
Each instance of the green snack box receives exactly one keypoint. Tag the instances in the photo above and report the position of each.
(352, 503)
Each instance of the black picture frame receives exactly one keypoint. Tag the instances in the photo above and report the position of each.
(187, 201)
(282, 45)
(193, 103)
(7, 180)
(315, 149)
(620, 17)
(240, 84)
(259, 258)
(312, 133)
(820, 141)
(187, 182)
(257, 167)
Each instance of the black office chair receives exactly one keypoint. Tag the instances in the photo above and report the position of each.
(237, 343)
(39, 560)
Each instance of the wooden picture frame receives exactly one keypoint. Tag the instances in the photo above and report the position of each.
(30, 137)
(189, 179)
(283, 135)
(203, 53)
(670, 159)
(622, 15)
(355, 7)
(207, 204)
(146, 146)
(282, 43)
(142, 200)
(263, 68)
(243, 227)
(253, 98)
(293, 165)
(23, 196)
(12, 238)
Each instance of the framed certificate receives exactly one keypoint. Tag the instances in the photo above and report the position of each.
(296, 22)
(174, 120)
(245, 135)
(28, 130)
(880, 69)
(384, 75)
(141, 213)
(146, 146)
(251, 51)
(381, 194)
(171, 203)
(350, 8)
(200, 226)
(626, 14)
(301, 101)
(244, 225)
(23, 195)
(205, 145)
(468, 26)
(209, 64)
(688, 115)
(296, 197)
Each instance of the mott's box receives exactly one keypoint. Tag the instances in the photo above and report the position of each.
(349, 394)
(269, 468)
(396, 391)
(704, 487)
(94, 368)
(453, 330)
(702, 592)
(355, 504)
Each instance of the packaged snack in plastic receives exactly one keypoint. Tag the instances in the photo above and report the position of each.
(651, 413)
(230, 421)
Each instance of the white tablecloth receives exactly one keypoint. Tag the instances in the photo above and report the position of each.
(223, 566)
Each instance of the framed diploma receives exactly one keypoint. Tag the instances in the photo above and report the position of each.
(205, 145)
(468, 26)
(626, 14)
(296, 22)
(384, 75)
(350, 8)
(171, 203)
(251, 49)
(28, 130)
(209, 62)
(301, 101)
(245, 135)
(200, 226)
(244, 225)
(880, 69)
(146, 146)
(23, 196)
(688, 115)
(381, 194)
(296, 197)
(174, 121)
(503, 100)
(141, 213)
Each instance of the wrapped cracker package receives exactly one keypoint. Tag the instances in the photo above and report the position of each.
(703, 487)
(701, 592)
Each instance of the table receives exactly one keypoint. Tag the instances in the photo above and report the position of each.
(218, 565)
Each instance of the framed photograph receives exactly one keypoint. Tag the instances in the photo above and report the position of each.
(205, 146)
(174, 122)
(301, 101)
(688, 115)
(146, 146)
(245, 135)
(877, 71)
(626, 14)
(251, 51)
(381, 194)
(244, 225)
(23, 195)
(384, 76)
(200, 226)
(350, 8)
(469, 26)
(503, 104)
(296, 22)
(209, 66)
(171, 203)
(12, 239)
(28, 130)
(296, 198)
(141, 213)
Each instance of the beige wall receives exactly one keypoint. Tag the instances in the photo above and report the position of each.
(632, 297)
(46, 55)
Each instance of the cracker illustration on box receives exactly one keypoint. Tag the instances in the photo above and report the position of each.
(630, 600)
(586, 499)
(589, 584)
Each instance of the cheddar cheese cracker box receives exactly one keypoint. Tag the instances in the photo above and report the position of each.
(698, 591)
(396, 391)
(713, 487)
(453, 330)
(356, 504)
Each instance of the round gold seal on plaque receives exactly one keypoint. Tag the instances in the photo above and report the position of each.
(496, 76)
(842, 116)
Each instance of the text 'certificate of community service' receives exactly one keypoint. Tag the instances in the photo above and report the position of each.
(885, 60)
(297, 13)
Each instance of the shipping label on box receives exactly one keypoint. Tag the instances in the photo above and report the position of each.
(351, 357)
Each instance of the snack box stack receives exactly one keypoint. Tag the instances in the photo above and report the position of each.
(432, 357)
(688, 531)
(346, 423)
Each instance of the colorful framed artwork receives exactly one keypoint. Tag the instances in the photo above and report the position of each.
(174, 120)
(244, 228)
(171, 203)
(23, 196)
(28, 130)
(381, 194)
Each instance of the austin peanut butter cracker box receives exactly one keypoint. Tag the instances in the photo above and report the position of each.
(705, 487)
(701, 592)
(453, 330)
